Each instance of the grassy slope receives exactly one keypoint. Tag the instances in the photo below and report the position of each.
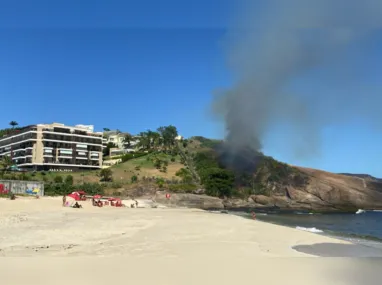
(122, 173)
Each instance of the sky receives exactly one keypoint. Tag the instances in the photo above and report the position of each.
(138, 65)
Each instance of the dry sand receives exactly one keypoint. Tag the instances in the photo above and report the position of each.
(147, 245)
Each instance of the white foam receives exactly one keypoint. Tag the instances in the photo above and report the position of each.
(312, 230)
(360, 211)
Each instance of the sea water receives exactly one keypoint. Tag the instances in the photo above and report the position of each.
(364, 227)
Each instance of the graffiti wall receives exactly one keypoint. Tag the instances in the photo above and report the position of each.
(22, 187)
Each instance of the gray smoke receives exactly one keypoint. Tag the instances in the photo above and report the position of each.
(272, 47)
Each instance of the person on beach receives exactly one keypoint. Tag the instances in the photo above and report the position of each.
(63, 200)
(76, 205)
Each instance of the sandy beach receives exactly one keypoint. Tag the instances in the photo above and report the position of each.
(146, 239)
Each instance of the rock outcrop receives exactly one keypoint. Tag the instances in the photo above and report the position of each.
(323, 192)
(189, 201)
(328, 191)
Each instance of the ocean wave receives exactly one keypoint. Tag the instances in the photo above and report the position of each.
(312, 230)
(360, 211)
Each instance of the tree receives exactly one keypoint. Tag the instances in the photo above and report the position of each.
(106, 150)
(155, 139)
(144, 142)
(218, 182)
(106, 129)
(69, 180)
(106, 175)
(13, 124)
(185, 175)
(127, 140)
(169, 134)
(5, 162)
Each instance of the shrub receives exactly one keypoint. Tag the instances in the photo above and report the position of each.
(115, 185)
(92, 188)
(24, 176)
(182, 188)
(54, 189)
(172, 159)
(129, 156)
(160, 182)
(69, 180)
(184, 174)
(134, 179)
(58, 179)
(106, 175)
(157, 163)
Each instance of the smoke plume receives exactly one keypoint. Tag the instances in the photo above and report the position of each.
(273, 48)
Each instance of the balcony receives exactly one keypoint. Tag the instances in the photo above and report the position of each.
(81, 158)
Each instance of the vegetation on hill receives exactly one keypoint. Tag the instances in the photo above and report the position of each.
(179, 166)
(224, 174)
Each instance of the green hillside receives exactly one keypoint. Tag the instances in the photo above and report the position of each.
(183, 166)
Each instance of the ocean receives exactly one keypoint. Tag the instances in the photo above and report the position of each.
(365, 227)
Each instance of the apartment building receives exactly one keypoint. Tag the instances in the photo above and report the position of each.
(54, 147)
(118, 139)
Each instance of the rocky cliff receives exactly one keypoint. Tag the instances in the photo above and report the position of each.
(322, 192)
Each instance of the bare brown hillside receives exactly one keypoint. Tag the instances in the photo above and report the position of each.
(325, 191)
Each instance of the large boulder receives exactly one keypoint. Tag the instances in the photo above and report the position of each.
(262, 200)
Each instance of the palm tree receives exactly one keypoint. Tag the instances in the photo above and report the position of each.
(127, 140)
(144, 141)
(13, 124)
(106, 129)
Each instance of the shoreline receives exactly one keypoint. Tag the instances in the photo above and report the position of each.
(318, 230)
(42, 227)
(358, 246)
(164, 246)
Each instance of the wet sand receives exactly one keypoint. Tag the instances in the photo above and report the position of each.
(339, 250)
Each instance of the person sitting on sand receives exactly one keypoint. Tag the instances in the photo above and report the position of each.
(76, 205)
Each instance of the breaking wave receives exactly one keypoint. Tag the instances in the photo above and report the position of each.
(312, 230)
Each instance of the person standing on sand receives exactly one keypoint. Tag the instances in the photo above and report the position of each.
(63, 200)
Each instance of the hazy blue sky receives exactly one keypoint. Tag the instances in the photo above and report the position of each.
(135, 65)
